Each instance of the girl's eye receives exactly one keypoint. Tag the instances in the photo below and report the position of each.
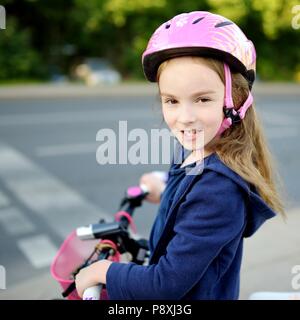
(203, 100)
(170, 101)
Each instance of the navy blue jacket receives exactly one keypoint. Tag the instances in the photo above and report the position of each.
(199, 253)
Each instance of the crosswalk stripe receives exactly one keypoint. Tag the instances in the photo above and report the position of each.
(61, 117)
(60, 206)
(66, 149)
(39, 250)
(4, 201)
(15, 222)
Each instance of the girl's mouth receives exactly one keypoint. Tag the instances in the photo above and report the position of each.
(190, 134)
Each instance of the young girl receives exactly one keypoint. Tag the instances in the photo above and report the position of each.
(205, 67)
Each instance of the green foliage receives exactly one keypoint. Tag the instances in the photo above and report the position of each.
(18, 58)
(119, 30)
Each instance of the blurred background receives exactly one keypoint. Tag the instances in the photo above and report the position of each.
(69, 68)
(48, 40)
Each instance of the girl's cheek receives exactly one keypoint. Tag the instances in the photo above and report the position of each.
(215, 117)
(166, 115)
(209, 119)
(211, 123)
(170, 119)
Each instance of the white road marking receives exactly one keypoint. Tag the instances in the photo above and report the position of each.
(4, 201)
(65, 117)
(15, 222)
(83, 148)
(50, 118)
(66, 149)
(61, 207)
(39, 250)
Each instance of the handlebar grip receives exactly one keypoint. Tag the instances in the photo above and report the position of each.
(144, 188)
(92, 293)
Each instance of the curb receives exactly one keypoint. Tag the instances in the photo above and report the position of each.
(137, 89)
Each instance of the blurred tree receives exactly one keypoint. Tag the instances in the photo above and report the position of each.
(268, 23)
(120, 29)
(65, 31)
(18, 59)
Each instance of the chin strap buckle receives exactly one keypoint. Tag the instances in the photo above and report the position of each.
(232, 114)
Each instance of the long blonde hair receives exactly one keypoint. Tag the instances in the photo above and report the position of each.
(243, 147)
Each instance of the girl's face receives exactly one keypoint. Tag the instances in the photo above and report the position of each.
(192, 96)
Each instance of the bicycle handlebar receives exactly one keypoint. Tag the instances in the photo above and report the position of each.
(100, 230)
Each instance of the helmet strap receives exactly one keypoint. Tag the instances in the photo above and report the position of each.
(228, 87)
(232, 116)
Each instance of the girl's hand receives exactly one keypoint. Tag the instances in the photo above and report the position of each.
(155, 186)
(92, 276)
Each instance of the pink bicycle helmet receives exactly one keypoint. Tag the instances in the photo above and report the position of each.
(201, 33)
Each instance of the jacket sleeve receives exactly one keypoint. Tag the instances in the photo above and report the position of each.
(211, 216)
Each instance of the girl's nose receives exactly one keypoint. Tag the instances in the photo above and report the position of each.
(187, 114)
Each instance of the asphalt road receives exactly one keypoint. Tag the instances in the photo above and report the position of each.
(50, 181)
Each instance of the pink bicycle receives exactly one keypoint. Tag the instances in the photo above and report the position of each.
(102, 240)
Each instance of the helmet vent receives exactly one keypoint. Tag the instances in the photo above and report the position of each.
(167, 26)
(222, 24)
(197, 20)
